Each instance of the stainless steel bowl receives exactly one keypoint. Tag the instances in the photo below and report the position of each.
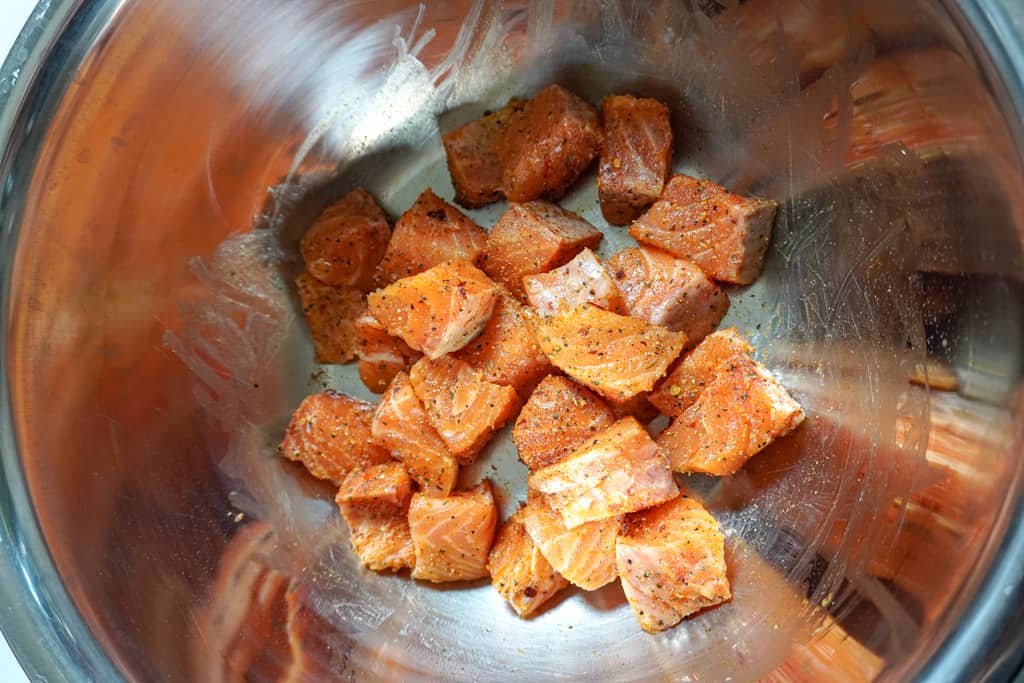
(152, 350)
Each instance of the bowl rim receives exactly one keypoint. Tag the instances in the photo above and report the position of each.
(987, 642)
(42, 625)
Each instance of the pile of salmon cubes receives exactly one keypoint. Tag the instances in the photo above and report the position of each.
(465, 331)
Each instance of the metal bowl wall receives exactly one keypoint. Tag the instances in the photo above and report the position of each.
(160, 160)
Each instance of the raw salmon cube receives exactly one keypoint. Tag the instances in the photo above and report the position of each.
(430, 233)
(346, 242)
(437, 311)
(401, 426)
(519, 571)
(585, 554)
(559, 417)
(725, 234)
(472, 152)
(620, 470)
(533, 238)
(381, 489)
(615, 355)
(635, 158)
(330, 313)
(547, 145)
(680, 389)
(381, 356)
(637, 406)
(465, 409)
(330, 434)
(505, 350)
(671, 560)
(374, 501)
(582, 280)
(737, 415)
(452, 535)
(668, 291)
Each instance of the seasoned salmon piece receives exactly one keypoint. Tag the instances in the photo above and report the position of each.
(346, 242)
(375, 501)
(472, 152)
(620, 470)
(585, 554)
(615, 355)
(330, 434)
(381, 356)
(680, 389)
(737, 415)
(439, 310)
(330, 313)
(559, 417)
(505, 350)
(401, 425)
(725, 234)
(452, 535)
(637, 406)
(635, 158)
(519, 571)
(464, 408)
(533, 238)
(671, 560)
(547, 145)
(428, 234)
(582, 280)
(668, 291)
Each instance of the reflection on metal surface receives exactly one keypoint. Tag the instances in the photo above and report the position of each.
(899, 240)
(259, 623)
